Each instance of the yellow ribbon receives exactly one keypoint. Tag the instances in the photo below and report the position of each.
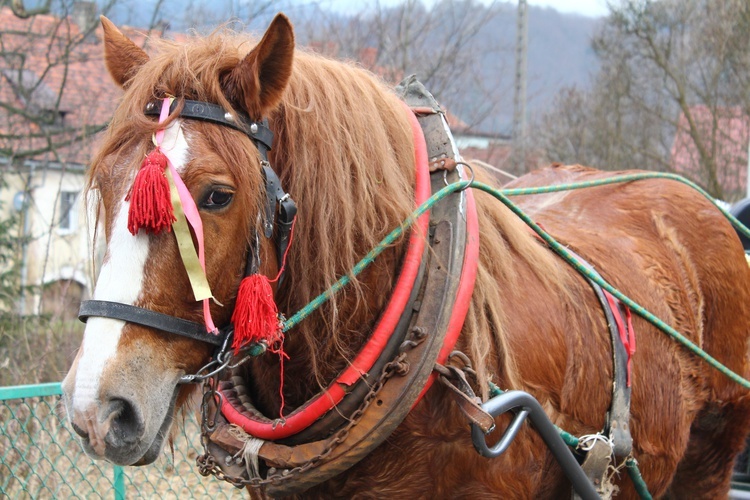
(195, 273)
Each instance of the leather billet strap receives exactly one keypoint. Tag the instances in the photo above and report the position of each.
(149, 318)
(209, 112)
(618, 417)
(287, 208)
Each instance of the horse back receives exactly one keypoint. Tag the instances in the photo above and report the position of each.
(670, 249)
(662, 243)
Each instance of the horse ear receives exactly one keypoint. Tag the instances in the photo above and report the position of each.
(257, 83)
(122, 57)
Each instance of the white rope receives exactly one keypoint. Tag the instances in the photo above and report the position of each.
(587, 442)
(486, 165)
(249, 451)
(250, 456)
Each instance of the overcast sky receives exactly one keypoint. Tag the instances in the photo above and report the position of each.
(591, 8)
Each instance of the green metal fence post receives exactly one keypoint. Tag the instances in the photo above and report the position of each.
(119, 483)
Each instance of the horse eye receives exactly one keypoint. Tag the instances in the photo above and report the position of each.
(217, 199)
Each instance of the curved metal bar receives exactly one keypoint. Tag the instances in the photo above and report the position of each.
(502, 444)
(527, 405)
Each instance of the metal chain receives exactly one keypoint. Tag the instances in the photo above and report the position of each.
(207, 462)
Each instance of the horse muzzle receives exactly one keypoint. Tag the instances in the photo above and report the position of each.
(117, 432)
(122, 418)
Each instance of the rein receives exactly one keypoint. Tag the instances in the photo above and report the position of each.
(502, 195)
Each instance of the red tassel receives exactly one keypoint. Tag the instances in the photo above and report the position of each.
(255, 316)
(150, 197)
(256, 319)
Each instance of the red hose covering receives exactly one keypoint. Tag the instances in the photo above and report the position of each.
(311, 411)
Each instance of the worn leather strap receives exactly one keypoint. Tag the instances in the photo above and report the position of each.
(618, 417)
(209, 112)
(146, 317)
(470, 405)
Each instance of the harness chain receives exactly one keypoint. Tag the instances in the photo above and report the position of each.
(207, 462)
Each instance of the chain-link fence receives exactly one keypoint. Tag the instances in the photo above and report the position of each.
(41, 458)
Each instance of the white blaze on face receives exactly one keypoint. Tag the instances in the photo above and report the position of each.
(120, 280)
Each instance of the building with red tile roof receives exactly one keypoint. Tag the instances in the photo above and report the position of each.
(56, 95)
(725, 134)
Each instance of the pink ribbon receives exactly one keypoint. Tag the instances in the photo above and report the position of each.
(189, 208)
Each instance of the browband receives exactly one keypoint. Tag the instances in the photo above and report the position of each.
(209, 112)
(262, 136)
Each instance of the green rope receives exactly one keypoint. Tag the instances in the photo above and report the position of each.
(593, 276)
(631, 464)
(502, 195)
(627, 178)
(371, 256)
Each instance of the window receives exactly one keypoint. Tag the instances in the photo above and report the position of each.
(68, 212)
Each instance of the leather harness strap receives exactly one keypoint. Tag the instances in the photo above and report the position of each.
(616, 425)
(209, 112)
(149, 318)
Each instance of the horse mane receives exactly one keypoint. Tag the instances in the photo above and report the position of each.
(343, 149)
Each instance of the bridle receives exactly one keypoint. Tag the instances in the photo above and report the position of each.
(276, 200)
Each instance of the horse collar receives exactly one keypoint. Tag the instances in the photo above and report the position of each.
(308, 447)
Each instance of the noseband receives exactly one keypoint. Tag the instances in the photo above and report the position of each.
(276, 198)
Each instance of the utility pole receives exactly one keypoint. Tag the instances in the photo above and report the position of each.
(519, 96)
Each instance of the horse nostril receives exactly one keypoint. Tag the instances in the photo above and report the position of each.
(79, 431)
(125, 424)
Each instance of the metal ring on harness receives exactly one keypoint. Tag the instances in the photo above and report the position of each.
(471, 179)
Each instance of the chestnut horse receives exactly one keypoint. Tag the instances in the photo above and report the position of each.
(344, 149)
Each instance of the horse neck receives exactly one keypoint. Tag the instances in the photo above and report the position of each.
(347, 157)
(325, 344)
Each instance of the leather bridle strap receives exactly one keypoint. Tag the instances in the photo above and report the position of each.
(262, 136)
(209, 112)
(149, 318)
(287, 211)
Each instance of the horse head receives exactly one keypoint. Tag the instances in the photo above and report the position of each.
(123, 390)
